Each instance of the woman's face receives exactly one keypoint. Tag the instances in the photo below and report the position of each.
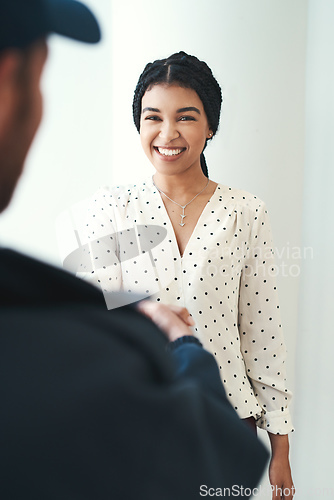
(173, 128)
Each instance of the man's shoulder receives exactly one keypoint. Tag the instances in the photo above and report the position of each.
(38, 297)
(25, 280)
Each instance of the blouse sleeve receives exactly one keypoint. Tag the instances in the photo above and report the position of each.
(104, 269)
(261, 336)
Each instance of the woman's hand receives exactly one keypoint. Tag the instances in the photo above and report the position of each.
(174, 321)
(279, 468)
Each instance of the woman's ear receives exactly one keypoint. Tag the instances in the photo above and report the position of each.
(210, 134)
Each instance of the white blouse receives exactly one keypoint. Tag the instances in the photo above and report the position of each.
(226, 279)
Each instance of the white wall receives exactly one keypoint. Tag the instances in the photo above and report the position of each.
(314, 405)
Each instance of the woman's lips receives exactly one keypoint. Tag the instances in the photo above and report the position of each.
(169, 153)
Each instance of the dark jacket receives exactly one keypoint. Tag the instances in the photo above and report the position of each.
(92, 406)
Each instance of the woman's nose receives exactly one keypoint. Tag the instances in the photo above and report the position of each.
(169, 131)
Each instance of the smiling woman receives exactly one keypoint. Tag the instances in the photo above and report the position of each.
(217, 258)
(187, 72)
(172, 132)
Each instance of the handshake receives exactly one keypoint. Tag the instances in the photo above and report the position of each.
(174, 321)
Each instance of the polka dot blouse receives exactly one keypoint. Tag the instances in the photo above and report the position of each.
(226, 279)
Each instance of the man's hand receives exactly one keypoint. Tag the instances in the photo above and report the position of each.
(174, 321)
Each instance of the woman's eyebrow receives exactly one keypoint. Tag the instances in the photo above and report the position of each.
(155, 110)
(181, 110)
(189, 108)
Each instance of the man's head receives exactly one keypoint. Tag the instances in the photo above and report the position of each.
(24, 26)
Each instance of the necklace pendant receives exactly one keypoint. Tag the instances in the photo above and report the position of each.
(181, 206)
(182, 223)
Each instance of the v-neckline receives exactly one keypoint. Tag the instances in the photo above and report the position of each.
(197, 223)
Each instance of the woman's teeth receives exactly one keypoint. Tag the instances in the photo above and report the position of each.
(169, 152)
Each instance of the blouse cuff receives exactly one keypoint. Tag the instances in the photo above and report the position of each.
(276, 422)
(186, 339)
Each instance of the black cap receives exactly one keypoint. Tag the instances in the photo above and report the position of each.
(24, 21)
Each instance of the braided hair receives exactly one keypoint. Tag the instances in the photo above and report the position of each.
(186, 71)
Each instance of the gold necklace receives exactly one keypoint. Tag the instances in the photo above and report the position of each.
(182, 223)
